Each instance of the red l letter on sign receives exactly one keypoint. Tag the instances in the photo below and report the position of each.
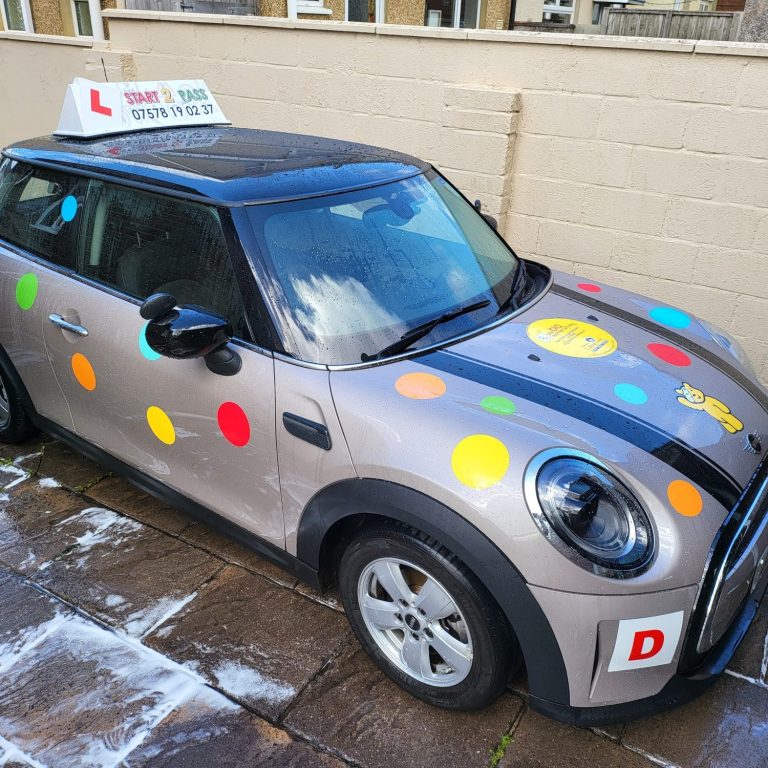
(96, 104)
(640, 650)
(649, 642)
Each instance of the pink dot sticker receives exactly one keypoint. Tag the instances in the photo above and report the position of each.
(671, 355)
(589, 287)
(234, 424)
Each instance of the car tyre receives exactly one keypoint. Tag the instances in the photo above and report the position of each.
(15, 426)
(425, 619)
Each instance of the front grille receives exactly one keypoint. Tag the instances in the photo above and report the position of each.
(731, 542)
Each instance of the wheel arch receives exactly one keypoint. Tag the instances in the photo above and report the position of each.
(10, 370)
(335, 513)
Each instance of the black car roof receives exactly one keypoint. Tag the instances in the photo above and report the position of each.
(229, 166)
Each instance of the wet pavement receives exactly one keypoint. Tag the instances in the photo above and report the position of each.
(131, 636)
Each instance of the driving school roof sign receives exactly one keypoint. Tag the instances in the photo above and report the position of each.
(98, 109)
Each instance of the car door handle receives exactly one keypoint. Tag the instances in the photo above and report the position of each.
(60, 322)
(304, 429)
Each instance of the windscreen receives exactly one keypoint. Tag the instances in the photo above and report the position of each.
(356, 271)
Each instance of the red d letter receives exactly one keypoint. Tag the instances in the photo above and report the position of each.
(656, 636)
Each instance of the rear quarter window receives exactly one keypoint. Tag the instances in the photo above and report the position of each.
(40, 211)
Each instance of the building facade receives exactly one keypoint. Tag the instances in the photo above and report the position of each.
(73, 18)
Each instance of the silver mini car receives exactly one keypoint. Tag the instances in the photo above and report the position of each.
(324, 349)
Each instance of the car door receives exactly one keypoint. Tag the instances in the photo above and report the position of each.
(36, 248)
(211, 437)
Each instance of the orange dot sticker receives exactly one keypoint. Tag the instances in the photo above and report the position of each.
(420, 386)
(83, 370)
(480, 461)
(684, 498)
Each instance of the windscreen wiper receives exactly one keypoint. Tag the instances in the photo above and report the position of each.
(420, 331)
(518, 289)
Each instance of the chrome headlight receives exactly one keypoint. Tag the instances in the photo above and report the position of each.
(592, 517)
(729, 344)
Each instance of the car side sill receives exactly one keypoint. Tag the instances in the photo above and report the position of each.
(184, 504)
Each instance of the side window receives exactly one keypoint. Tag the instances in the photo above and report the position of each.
(143, 243)
(40, 211)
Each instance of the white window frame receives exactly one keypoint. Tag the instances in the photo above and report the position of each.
(381, 6)
(94, 9)
(554, 6)
(26, 15)
(313, 6)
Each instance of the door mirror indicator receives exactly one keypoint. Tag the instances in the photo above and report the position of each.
(188, 331)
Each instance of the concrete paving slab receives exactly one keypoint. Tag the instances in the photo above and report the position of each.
(23, 609)
(75, 694)
(197, 735)
(28, 519)
(538, 742)
(69, 468)
(258, 642)
(206, 538)
(27, 452)
(330, 597)
(751, 657)
(126, 574)
(726, 728)
(353, 708)
(120, 495)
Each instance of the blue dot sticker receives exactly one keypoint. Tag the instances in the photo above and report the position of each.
(673, 318)
(631, 394)
(146, 350)
(69, 208)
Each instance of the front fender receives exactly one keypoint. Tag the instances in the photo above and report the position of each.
(547, 676)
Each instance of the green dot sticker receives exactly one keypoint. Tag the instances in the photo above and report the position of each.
(503, 406)
(26, 290)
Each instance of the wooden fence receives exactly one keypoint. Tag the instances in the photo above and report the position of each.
(685, 25)
(231, 7)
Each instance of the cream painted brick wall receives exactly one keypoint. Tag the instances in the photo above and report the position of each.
(641, 163)
(643, 121)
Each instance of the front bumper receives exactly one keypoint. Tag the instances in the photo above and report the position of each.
(680, 689)
(725, 604)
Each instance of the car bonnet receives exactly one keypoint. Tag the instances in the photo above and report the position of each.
(640, 370)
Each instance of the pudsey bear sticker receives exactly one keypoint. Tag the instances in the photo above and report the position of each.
(650, 642)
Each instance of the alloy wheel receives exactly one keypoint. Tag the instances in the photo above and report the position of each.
(415, 622)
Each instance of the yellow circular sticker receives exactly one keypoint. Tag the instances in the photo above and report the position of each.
(161, 425)
(571, 338)
(480, 461)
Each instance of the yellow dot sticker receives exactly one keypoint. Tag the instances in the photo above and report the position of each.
(161, 425)
(420, 386)
(572, 338)
(480, 461)
(684, 498)
(83, 371)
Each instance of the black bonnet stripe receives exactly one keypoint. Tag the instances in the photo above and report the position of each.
(731, 371)
(682, 457)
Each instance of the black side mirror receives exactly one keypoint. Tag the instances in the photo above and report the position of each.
(188, 332)
(492, 220)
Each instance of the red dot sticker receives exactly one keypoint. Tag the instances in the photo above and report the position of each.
(234, 424)
(589, 287)
(670, 355)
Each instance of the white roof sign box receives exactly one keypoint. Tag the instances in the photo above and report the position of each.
(100, 109)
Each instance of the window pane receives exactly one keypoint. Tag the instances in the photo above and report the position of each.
(360, 269)
(40, 211)
(439, 13)
(14, 15)
(142, 243)
(468, 14)
(83, 14)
